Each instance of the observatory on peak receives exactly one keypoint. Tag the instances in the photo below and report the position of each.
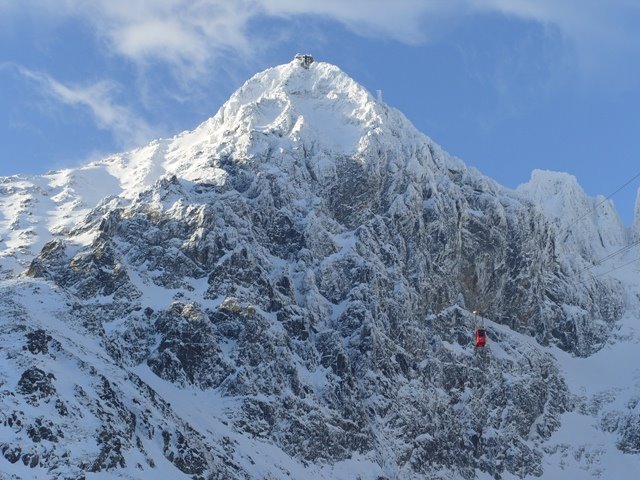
(304, 59)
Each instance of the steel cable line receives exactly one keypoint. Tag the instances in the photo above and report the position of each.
(609, 257)
(617, 268)
(602, 201)
(617, 252)
(593, 276)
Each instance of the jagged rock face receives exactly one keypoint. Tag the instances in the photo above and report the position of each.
(79, 421)
(323, 289)
(406, 246)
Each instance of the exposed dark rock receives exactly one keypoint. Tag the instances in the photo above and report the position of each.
(44, 430)
(11, 453)
(30, 460)
(188, 352)
(38, 342)
(36, 383)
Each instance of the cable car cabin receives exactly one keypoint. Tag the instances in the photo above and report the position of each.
(480, 337)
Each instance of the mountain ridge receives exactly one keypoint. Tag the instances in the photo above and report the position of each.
(126, 175)
(315, 299)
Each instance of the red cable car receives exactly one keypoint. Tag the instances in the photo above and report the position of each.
(481, 337)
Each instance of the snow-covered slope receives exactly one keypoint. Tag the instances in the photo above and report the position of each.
(286, 292)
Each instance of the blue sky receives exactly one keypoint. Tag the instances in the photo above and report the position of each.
(506, 85)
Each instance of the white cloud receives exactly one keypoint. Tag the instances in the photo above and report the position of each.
(402, 20)
(127, 128)
(603, 34)
(189, 35)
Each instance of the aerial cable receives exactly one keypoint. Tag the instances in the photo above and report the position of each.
(617, 268)
(609, 257)
(593, 277)
(603, 201)
(615, 253)
(620, 250)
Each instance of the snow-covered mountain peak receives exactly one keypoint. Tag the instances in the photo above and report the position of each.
(593, 223)
(559, 195)
(286, 292)
(315, 80)
(314, 106)
(551, 184)
(312, 111)
(306, 119)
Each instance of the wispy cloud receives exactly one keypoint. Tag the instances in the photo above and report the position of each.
(189, 35)
(604, 35)
(402, 20)
(127, 128)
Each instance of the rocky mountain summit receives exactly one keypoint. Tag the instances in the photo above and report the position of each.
(287, 292)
